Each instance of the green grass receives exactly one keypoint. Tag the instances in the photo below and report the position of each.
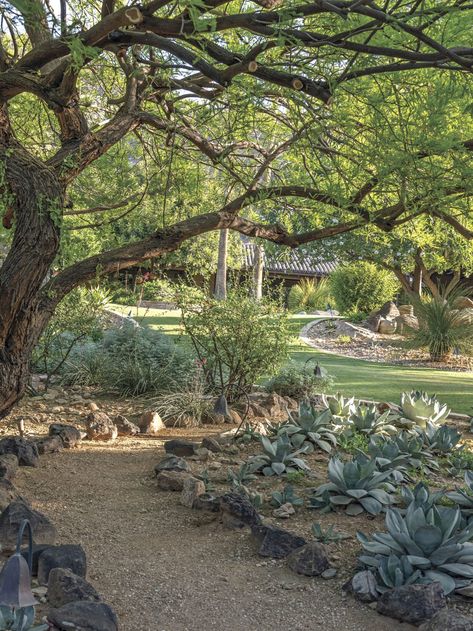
(366, 380)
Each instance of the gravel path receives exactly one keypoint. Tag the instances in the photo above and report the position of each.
(163, 567)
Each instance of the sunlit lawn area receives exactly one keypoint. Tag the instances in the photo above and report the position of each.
(354, 377)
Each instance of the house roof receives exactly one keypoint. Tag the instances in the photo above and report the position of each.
(292, 263)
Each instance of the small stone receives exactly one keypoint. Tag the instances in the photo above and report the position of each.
(11, 518)
(191, 490)
(363, 587)
(172, 463)
(8, 466)
(180, 447)
(25, 450)
(70, 557)
(172, 480)
(49, 445)
(70, 435)
(125, 427)
(100, 427)
(284, 512)
(412, 603)
(93, 407)
(64, 587)
(211, 444)
(330, 573)
(276, 543)
(448, 620)
(151, 423)
(309, 560)
(83, 616)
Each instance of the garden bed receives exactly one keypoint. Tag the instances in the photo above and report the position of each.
(359, 342)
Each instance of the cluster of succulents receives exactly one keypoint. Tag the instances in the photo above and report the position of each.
(356, 487)
(310, 429)
(441, 440)
(367, 420)
(421, 546)
(278, 457)
(286, 496)
(418, 409)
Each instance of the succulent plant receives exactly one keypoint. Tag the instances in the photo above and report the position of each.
(286, 496)
(329, 535)
(388, 456)
(459, 461)
(244, 475)
(418, 408)
(464, 499)
(19, 619)
(278, 457)
(339, 405)
(355, 486)
(420, 457)
(420, 496)
(367, 420)
(310, 429)
(247, 434)
(432, 542)
(441, 440)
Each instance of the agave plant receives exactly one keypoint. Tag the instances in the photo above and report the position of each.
(387, 457)
(419, 456)
(367, 420)
(310, 429)
(278, 457)
(286, 496)
(421, 497)
(441, 440)
(464, 499)
(418, 408)
(339, 405)
(243, 476)
(355, 486)
(430, 545)
(19, 619)
(247, 434)
(328, 535)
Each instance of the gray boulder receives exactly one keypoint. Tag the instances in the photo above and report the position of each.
(448, 620)
(65, 587)
(171, 463)
(70, 557)
(238, 511)
(276, 543)
(70, 435)
(191, 490)
(309, 560)
(363, 587)
(11, 518)
(25, 450)
(172, 480)
(8, 466)
(84, 616)
(49, 445)
(412, 603)
(180, 447)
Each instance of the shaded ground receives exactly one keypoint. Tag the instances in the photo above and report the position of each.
(163, 567)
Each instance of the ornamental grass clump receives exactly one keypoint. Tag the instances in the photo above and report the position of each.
(422, 546)
(355, 487)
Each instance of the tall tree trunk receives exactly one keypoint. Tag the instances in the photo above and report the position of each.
(258, 271)
(221, 277)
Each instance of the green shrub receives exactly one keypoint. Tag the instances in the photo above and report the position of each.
(299, 381)
(78, 317)
(442, 327)
(160, 289)
(309, 294)
(237, 340)
(132, 361)
(361, 287)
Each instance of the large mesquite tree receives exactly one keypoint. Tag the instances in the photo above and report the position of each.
(104, 72)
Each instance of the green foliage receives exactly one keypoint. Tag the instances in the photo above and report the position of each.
(161, 290)
(367, 420)
(299, 381)
(441, 440)
(243, 476)
(420, 458)
(310, 429)
(459, 461)
(361, 286)
(286, 496)
(340, 406)
(355, 487)
(464, 498)
(309, 294)
(296, 477)
(418, 409)
(353, 443)
(19, 620)
(187, 404)
(329, 535)
(429, 544)
(237, 340)
(278, 458)
(132, 361)
(443, 328)
(78, 317)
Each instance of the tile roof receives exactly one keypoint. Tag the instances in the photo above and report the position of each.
(294, 262)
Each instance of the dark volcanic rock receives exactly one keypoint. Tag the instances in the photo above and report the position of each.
(84, 616)
(172, 463)
(363, 587)
(276, 543)
(70, 557)
(65, 587)
(70, 435)
(180, 447)
(25, 450)
(448, 620)
(309, 560)
(412, 603)
(49, 445)
(8, 466)
(239, 509)
(11, 518)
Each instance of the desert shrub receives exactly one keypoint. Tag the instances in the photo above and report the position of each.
(186, 404)
(361, 287)
(132, 361)
(78, 317)
(308, 294)
(237, 340)
(442, 327)
(299, 381)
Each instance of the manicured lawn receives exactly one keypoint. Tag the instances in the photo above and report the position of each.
(367, 380)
